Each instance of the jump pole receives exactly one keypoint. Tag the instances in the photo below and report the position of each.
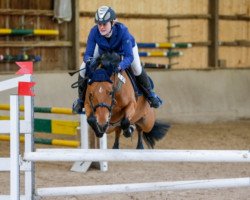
(143, 187)
(68, 155)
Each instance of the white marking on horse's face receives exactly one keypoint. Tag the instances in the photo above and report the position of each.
(100, 90)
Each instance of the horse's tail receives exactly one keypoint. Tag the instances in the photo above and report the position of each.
(158, 131)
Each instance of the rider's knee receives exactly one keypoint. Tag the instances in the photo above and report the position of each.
(82, 72)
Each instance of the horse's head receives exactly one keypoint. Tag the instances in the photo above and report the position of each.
(101, 100)
(101, 93)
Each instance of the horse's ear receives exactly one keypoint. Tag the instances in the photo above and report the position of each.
(99, 66)
(98, 59)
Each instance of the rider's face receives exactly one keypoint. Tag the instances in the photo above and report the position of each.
(104, 29)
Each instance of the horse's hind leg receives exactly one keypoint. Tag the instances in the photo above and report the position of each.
(139, 142)
(117, 139)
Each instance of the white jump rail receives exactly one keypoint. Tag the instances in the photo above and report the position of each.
(68, 155)
(58, 155)
(143, 187)
(13, 82)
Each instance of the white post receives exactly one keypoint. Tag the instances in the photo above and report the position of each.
(29, 147)
(82, 166)
(84, 132)
(103, 145)
(14, 148)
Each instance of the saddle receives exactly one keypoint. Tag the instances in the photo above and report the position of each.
(139, 90)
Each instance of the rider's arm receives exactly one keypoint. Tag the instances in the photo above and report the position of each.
(90, 48)
(128, 52)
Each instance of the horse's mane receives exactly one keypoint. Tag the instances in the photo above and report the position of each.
(109, 61)
(103, 67)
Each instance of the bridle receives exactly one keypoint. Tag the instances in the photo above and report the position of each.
(103, 104)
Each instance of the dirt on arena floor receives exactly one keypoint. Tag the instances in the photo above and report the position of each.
(221, 136)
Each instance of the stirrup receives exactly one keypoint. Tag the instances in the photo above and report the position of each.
(154, 100)
(77, 106)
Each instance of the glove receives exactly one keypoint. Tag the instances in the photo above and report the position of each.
(117, 69)
(91, 62)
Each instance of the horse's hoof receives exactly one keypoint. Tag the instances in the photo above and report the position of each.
(115, 147)
(99, 135)
(140, 146)
(127, 134)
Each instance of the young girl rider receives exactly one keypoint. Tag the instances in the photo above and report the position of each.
(109, 35)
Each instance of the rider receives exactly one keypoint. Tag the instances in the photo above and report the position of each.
(108, 35)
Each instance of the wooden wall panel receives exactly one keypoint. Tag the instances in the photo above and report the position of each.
(234, 30)
(149, 7)
(55, 51)
(154, 30)
(236, 57)
(145, 30)
(234, 7)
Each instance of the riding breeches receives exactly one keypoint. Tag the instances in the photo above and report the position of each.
(135, 65)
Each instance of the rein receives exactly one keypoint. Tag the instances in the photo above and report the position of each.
(77, 83)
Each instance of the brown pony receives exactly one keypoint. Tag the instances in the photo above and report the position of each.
(111, 105)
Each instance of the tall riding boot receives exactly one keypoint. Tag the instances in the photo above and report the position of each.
(145, 86)
(79, 103)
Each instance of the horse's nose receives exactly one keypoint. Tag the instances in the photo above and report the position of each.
(101, 130)
(103, 127)
(98, 134)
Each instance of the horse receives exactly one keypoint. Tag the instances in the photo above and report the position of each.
(112, 105)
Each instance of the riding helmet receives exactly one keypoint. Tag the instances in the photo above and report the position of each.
(104, 14)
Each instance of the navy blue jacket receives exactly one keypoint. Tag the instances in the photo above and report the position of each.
(121, 42)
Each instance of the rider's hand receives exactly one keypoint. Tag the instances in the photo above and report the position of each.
(118, 69)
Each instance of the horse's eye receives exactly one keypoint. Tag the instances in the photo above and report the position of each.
(110, 93)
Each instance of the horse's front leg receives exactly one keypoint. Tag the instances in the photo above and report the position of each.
(139, 142)
(91, 119)
(117, 138)
(125, 123)
(93, 124)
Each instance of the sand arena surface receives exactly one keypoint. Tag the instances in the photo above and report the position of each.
(221, 136)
